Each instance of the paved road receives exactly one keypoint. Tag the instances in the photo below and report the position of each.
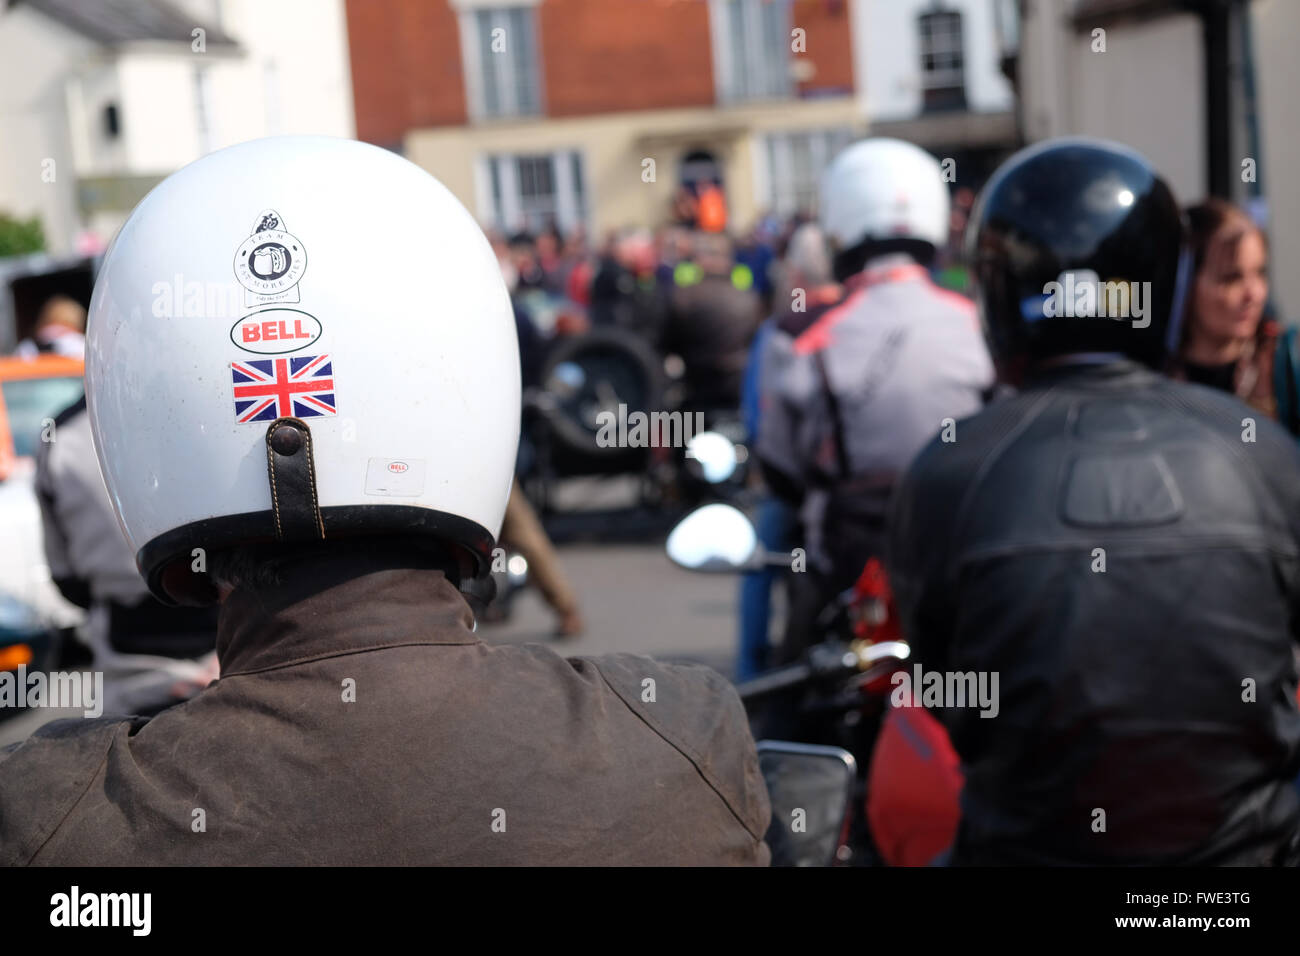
(635, 600)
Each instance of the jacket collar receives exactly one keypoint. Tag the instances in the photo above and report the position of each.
(1095, 370)
(331, 605)
(891, 267)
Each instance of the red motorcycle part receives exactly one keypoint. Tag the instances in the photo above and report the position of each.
(872, 612)
(913, 788)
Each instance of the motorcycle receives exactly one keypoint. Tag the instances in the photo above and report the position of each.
(586, 379)
(714, 463)
(492, 600)
(810, 788)
(902, 807)
(611, 375)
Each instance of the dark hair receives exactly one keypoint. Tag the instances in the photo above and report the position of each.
(1206, 219)
(849, 262)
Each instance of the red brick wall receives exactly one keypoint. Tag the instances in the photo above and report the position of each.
(597, 56)
(828, 44)
(406, 70)
(607, 55)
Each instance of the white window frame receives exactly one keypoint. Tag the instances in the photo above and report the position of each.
(472, 65)
(780, 195)
(950, 78)
(777, 81)
(201, 87)
(572, 195)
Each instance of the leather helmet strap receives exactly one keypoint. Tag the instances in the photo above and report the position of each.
(292, 469)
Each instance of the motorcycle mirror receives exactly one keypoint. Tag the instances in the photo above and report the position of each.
(715, 454)
(810, 788)
(566, 379)
(716, 537)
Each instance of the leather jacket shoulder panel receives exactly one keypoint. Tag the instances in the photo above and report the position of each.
(43, 778)
(697, 711)
(1080, 458)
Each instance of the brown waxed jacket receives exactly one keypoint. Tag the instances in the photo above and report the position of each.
(360, 720)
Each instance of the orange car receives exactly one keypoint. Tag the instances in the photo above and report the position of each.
(31, 391)
(32, 612)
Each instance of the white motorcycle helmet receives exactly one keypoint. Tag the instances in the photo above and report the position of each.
(295, 339)
(883, 190)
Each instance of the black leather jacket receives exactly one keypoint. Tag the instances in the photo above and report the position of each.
(1120, 552)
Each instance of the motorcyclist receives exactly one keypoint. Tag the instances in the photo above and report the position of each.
(806, 266)
(331, 491)
(59, 329)
(852, 389)
(1121, 551)
(152, 655)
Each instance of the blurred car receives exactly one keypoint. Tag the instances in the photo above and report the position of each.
(35, 620)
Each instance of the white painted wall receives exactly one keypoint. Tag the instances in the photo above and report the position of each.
(292, 75)
(1145, 89)
(296, 77)
(35, 55)
(1276, 31)
(889, 57)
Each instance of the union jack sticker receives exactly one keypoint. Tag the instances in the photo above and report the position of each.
(298, 387)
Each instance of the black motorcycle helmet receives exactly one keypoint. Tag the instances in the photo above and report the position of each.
(1075, 212)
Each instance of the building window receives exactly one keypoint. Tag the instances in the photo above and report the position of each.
(271, 96)
(795, 161)
(535, 192)
(501, 62)
(751, 49)
(943, 63)
(202, 121)
(112, 121)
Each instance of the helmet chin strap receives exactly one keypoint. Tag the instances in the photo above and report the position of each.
(291, 468)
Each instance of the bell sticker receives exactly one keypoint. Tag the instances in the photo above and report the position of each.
(395, 477)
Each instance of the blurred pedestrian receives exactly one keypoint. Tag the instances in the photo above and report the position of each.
(581, 269)
(758, 257)
(522, 530)
(1227, 341)
(710, 324)
(60, 329)
(624, 293)
(528, 267)
(805, 275)
(152, 655)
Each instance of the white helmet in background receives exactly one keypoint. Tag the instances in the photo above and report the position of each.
(300, 338)
(884, 189)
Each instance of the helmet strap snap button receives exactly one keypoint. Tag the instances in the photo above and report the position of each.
(294, 502)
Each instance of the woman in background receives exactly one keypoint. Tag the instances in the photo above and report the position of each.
(1228, 342)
